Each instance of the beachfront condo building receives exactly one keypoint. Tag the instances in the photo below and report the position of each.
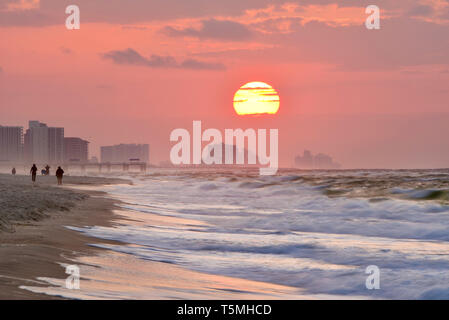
(11, 144)
(76, 150)
(43, 144)
(126, 153)
(55, 144)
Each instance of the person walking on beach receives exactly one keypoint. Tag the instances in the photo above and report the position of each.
(59, 175)
(33, 172)
(13, 171)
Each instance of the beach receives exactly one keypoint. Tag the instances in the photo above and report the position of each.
(228, 234)
(36, 244)
(33, 237)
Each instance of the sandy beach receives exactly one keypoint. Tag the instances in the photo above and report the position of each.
(33, 236)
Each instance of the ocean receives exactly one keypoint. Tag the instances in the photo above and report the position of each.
(315, 231)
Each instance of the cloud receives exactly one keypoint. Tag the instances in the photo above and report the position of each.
(199, 65)
(131, 27)
(400, 42)
(132, 57)
(52, 12)
(214, 29)
(421, 11)
(445, 14)
(65, 50)
(33, 18)
(17, 5)
(412, 72)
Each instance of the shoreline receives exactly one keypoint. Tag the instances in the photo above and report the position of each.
(36, 250)
(34, 239)
(32, 259)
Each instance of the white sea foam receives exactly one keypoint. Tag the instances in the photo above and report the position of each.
(287, 230)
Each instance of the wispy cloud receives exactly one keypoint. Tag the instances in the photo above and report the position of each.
(436, 11)
(213, 29)
(421, 11)
(132, 57)
(66, 50)
(200, 65)
(18, 5)
(48, 12)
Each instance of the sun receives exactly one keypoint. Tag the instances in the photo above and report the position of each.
(256, 98)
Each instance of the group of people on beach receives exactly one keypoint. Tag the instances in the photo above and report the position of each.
(44, 172)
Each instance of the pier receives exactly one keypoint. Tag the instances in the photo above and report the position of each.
(105, 166)
(100, 167)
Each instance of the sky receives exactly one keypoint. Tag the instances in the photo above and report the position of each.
(136, 70)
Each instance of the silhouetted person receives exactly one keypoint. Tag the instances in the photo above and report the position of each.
(47, 170)
(43, 172)
(59, 175)
(13, 171)
(33, 172)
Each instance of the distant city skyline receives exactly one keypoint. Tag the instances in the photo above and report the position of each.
(43, 144)
(318, 161)
(367, 146)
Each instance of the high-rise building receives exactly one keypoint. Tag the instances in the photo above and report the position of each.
(11, 144)
(126, 153)
(44, 144)
(55, 144)
(36, 142)
(76, 150)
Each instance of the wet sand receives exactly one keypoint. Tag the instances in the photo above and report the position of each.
(37, 248)
(113, 275)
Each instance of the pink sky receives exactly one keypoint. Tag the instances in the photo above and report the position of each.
(133, 73)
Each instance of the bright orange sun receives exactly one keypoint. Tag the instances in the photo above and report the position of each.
(256, 98)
